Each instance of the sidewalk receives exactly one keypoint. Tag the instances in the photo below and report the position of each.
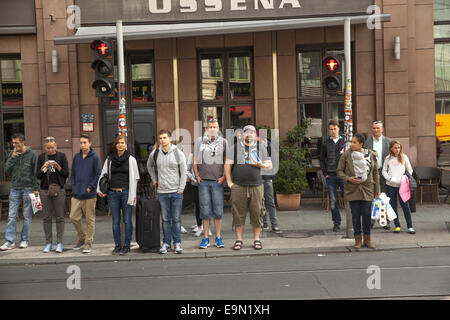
(307, 230)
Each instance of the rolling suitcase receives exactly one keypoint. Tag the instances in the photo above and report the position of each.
(148, 211)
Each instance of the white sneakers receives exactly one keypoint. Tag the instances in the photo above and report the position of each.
(23, 244)
(166, 247)
(8, 246)
(199, 231)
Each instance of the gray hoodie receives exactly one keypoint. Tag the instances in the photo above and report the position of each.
(169, 179)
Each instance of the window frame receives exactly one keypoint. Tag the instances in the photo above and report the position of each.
(129, 55)
(7, 109)
(227, 102)
(324, 100)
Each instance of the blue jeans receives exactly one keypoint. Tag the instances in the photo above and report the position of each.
(171, 205)
(361, 210)
(332, 183)
(392, 193)
(116, 202)
(210, 195)
(269, 201)
(15, 197)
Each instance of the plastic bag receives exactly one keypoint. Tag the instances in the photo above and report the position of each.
(404, 191)
(36, 203)
(376, 205)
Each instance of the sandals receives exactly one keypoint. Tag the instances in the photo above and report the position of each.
(257, 245)
(238, 245)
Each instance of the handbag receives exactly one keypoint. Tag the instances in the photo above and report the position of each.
(104, 181)
(53, 188)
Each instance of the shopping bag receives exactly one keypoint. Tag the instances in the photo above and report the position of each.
(36, 203)
(404, 191)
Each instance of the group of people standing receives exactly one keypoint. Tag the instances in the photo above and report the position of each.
(46, 176)
(362, 172)
(368, 168)
(207, 168)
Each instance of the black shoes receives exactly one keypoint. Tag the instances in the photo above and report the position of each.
(336, 228)
(124, 250)
(117, 250)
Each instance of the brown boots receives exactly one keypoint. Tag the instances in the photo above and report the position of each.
(358, 242)
(367, 242)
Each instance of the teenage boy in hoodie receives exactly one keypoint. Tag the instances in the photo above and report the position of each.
(331, 152)
(169, 177)
(21, 167)
(86, 170)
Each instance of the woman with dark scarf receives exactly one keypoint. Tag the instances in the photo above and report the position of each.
(124, 176)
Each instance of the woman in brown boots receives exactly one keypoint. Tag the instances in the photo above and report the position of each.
(359, 170)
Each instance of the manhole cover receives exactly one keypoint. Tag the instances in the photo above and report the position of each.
(296, 235)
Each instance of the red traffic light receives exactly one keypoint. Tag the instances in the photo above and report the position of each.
(100, 47)
(331, 64)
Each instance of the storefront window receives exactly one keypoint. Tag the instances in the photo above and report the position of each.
(441, 10)
(212, 77)
(141, 117)
(12, 93)
(142, 79)
(240, 76)
(313, 102)
(227, 88)
(442, 67)
(11, 105)
(144, 127)
(309, 64)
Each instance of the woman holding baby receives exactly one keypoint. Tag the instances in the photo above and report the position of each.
(359, 170)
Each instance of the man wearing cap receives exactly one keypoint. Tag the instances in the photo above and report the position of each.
(244, 177)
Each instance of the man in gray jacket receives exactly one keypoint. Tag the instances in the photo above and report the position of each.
(380, 144)
(167, 168)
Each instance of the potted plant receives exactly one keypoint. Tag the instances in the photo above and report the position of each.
(290, 180)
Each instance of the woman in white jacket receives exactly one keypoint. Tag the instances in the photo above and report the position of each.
(122, 191)
(395, 166)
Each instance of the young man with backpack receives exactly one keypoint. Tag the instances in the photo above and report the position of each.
(167, 168)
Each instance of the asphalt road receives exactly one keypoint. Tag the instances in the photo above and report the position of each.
(413, 273)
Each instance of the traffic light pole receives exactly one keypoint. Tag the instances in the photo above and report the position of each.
(348, 113)
(122, 120)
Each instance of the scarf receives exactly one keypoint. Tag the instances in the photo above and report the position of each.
(117, 161)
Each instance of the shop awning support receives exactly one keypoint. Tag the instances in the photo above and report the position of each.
(348, 112)
(122, 121)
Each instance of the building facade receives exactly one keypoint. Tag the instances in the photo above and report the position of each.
(261, 75)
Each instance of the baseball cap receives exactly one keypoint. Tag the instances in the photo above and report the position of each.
(250, 127)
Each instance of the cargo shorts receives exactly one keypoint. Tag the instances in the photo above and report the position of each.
(247, 198)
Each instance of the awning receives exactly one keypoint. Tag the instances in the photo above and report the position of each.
(159, 31)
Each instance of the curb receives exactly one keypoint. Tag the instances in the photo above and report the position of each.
(211, 255)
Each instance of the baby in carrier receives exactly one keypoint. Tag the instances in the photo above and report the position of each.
(361, 164)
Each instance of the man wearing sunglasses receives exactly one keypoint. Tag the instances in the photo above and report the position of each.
(380, 144)
(21, 167)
